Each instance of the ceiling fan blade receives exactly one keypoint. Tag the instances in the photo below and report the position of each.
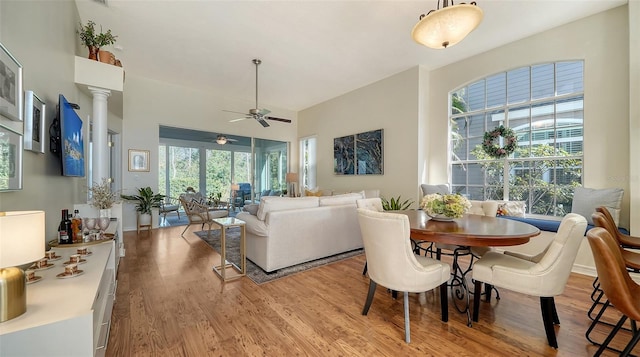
(262, 121)
(278, 119)
(238, 119)
(264, 111)
(231, 111)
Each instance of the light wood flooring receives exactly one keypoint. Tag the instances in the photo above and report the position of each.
(170, 303)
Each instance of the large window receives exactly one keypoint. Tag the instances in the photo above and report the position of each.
(543, 105)
(308, 162)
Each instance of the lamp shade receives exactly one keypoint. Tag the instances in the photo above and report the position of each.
(447, 26)
(22, 237)
(292, 177)
(235, 187)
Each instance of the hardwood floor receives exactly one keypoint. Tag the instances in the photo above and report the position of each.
(170, 303)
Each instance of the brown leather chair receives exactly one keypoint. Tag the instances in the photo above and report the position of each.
(625, 240)
(602, 218)
(620, 289)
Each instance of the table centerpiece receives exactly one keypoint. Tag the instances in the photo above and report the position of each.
(445, 207)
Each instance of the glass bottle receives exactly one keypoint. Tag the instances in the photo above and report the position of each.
(64, 229)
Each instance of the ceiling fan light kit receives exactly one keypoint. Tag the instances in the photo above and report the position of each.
(446, 26)
(221, 139)
(260, 115)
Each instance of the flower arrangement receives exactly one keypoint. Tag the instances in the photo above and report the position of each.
(101, 195)
(450, 205)
(494, 150)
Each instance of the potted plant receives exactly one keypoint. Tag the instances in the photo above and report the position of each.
(394, 204)
(102, 197)
(146, 200)
(94, 40)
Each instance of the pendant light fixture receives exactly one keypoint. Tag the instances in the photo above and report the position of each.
(446, 26)
(221, 139)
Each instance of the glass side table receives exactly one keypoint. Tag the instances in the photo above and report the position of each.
(221, 269)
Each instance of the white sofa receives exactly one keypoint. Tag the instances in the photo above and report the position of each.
(286, 231)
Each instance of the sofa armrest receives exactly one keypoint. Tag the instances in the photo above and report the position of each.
(253, 224)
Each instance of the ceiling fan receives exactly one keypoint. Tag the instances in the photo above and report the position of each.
(223, 139)
(258, 114)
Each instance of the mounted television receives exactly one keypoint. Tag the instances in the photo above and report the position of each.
(66, 139)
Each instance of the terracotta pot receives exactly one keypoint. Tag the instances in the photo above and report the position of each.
(93, 53)
(106, 57)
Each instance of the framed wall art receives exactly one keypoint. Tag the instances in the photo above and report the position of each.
(10, 160)
(34, 123)
(10, 85)
(138, 160)
(359, 154)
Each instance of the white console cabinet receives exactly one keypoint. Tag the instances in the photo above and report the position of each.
(66, 317)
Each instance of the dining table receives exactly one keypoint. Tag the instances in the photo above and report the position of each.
(465, 232)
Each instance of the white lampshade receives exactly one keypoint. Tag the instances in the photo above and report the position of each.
(291, 177)
(447, 26)
(22, 237)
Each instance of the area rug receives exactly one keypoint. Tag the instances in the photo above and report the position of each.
(256, 273)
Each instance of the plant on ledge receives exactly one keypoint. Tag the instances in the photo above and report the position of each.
(146, 200)
(394, 204)
(94, 40)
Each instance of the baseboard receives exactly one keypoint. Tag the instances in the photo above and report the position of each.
(584, 270)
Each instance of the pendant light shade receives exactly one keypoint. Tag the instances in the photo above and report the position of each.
(447, 26)
(221, 139)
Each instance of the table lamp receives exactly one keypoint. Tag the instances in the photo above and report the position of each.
(21, 242)
(292, 179)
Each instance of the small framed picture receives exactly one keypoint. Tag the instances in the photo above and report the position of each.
(10, 160)
(34, 123)
(10, 85)
(138, 160)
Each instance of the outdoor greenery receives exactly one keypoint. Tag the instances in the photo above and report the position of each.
(146, 200)
(395, 204)
(536, 181)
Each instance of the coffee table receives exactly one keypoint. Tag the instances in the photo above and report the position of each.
(221, 269)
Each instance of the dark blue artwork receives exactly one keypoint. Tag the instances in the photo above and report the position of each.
(360, 154)
(369, 153)
(344, 155)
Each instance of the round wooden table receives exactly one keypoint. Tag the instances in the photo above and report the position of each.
(468, 231)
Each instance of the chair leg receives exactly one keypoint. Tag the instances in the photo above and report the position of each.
(364, 271)
(610, 337)
(594, 322)
(185, 229)
(547, 307)
(476, 299)
(372, 291)
(407, 328)
(444, 301)
(554, 312)
(632, 344)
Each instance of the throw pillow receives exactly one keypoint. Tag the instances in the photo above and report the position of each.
(312, 193)
(512, 208)
(252, 208)
(585, 201)
(431, 189)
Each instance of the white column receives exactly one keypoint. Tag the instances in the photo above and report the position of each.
(100, 155)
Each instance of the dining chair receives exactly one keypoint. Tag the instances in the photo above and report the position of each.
(545, 276)
(616, 283)
(373, 204)
(631, 260)
(393, 264)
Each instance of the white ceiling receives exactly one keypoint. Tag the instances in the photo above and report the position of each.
(312, 51)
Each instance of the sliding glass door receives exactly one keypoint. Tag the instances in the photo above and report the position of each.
(270, 166)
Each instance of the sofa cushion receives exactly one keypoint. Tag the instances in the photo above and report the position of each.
(344, 199)
(585, 201)
(252, 208)
(275, 203)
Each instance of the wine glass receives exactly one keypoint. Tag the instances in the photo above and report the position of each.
(103, 223)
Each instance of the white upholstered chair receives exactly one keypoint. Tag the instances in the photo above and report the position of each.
(373, 204)
(393, 264)
(545, 275)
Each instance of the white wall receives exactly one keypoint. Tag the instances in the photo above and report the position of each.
(41, 35)
(390, 104)
(149, 104)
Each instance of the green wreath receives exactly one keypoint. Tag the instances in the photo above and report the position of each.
(494, 150)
